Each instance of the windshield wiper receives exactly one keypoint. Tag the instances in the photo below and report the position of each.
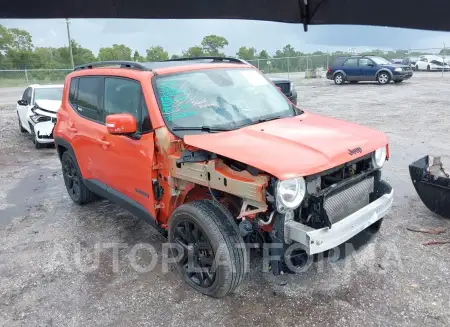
(203, 128)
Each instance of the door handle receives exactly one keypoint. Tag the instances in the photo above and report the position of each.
(103, 143)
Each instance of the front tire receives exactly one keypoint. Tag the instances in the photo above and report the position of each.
(417, 68)
(383, 78)
(73, 180)
(213, 257)
(339, 79)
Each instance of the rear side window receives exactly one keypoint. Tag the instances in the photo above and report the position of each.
(89, 97)
(351, 62)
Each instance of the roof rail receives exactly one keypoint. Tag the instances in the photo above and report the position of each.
(122, 64)
(213, 58)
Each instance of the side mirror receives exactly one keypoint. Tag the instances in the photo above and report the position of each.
(22, 103)
(370, 65)
(121, 124)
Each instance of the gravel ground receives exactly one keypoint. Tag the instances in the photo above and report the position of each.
(49, 275)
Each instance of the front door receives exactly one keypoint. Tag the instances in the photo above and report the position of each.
(368, 69)
(129, 159)
(24, 108)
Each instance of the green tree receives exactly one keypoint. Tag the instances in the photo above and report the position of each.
(175, 56)
(157, 54)
(137, 57)
(80, 55)
(5, 38)
(116, 52)
(263, 55)
(246, 53)
(194, 51)
(212, 44)
(18, 40)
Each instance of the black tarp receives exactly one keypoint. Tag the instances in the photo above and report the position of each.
(430, 14)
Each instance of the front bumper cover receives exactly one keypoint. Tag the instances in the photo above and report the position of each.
(44, 132)
(320, 240)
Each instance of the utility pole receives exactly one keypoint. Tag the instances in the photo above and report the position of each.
(70, 43)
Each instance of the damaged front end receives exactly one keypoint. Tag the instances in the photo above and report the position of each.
(432, 183)
(43, 123)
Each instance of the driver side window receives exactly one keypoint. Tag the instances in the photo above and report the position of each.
(125, 96)
(27, 95)
(365, 62)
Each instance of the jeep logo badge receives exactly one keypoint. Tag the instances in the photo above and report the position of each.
(354, 151)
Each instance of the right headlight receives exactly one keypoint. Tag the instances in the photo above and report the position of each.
(379, 157)
(290, 194)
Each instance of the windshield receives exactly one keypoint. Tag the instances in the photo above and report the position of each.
(219, 98)
(50, 93)
(380, 61)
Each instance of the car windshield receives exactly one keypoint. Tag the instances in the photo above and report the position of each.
(380, 61)
(48, 93)
(213, 99)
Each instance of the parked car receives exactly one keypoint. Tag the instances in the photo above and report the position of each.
(209, 152)
(431, 63)
(410, 61)
(287, 87)
(36, 112)
(367, 68)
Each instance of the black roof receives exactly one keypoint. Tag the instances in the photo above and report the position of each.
(432, 14)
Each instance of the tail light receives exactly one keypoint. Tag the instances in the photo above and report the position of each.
(329, 70)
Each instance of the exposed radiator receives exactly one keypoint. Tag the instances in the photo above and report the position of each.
(349, 200)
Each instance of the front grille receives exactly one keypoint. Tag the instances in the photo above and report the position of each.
(285, 87)
(349, 200)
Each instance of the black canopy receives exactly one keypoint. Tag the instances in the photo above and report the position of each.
(430, 14)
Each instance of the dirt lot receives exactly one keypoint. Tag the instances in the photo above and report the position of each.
(47, 243)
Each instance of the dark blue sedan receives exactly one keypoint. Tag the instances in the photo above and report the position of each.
(354, 69)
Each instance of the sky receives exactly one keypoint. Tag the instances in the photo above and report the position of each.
(178, 35)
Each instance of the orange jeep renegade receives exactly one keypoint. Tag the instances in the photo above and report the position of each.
(210, 152)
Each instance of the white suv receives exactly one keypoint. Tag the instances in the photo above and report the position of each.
(36, 112)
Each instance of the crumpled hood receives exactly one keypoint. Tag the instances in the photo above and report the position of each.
(50, 105)
(291, 147)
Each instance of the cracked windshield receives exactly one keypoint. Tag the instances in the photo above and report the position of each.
(227, 98)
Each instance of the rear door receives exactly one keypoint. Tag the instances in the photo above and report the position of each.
(129, 160)
(351, 69)
(87, 127)
(367, 69)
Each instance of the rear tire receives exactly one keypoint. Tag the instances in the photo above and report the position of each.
(383, 78)
(417, 68)
(428, 68)
(73, 180)
(339, 79)
(200, 228)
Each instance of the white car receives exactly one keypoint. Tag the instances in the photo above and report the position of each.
(36, 112)
(431, 62)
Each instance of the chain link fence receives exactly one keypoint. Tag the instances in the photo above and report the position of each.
(301, 66)
(25, 77)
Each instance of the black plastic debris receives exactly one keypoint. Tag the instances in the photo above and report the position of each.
(432, 183)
